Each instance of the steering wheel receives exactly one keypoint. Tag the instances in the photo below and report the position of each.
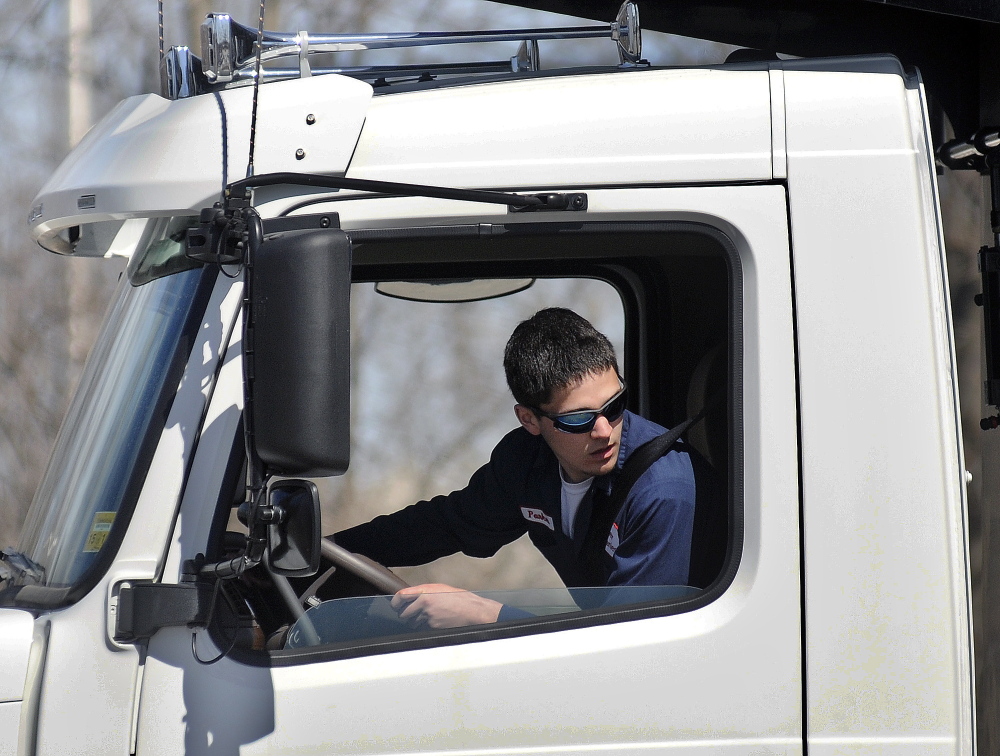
(382, 579)
(378, 577)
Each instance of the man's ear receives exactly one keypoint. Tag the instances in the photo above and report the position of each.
(527, 419)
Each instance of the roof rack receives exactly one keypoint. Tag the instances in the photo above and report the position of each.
(229, 51)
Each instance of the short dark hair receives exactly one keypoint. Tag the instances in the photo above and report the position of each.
(552, 349)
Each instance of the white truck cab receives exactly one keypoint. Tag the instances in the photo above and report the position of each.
(765, 231)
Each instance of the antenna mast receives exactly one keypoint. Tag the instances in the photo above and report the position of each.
(256, 87)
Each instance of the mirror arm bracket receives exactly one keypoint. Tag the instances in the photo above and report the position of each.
(143, 607)
(573, 202)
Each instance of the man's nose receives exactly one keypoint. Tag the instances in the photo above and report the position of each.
(602, 428)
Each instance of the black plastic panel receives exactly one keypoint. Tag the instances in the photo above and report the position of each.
(300, 359)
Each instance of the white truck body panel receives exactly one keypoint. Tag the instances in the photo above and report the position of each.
(598, 130)
(16, 629)
(156, 157)
(10, 720)
(16, 633)
(875, 506)
(860, 642)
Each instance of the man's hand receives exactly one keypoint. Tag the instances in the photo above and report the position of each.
(438, 606)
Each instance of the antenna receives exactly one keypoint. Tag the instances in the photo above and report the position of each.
(159, 10)
(256, 87)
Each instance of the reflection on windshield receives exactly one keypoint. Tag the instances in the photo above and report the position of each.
(355, 619)
(162, 252)
(109, 429)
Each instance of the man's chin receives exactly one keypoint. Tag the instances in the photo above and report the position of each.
(606, 468)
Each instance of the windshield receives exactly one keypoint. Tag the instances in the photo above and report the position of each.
(84, 501)
(161, 252)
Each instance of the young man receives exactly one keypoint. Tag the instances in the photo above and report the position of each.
(543, 479)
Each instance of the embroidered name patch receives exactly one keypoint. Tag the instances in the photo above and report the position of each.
(537, 515)
(612, 545)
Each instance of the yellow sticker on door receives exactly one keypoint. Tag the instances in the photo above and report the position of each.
(98, 532)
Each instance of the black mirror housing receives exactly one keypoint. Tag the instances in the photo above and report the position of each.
(299, 348)
(293, 535)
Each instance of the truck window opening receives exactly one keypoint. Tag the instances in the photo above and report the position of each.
(429, 401)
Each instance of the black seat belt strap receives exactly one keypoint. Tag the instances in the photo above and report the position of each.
(606, 509)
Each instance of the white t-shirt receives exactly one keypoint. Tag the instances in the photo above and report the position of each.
(572, 495)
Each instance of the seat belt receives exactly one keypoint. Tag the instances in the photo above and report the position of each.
(606, 508)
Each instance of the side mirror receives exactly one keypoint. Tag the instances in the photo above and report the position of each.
(293, 535)
(298, 352)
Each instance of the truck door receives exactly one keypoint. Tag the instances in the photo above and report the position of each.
(695, 269)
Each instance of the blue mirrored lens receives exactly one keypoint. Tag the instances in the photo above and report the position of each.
(578, 419)
(584, 421)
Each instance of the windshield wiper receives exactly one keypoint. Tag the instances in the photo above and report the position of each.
(574, 201)
(16, 567)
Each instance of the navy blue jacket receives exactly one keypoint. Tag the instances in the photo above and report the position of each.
(519, 491)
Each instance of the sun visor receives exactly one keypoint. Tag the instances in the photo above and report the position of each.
(152, 157)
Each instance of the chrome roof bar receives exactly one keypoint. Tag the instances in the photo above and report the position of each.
(229, 48)
(525, 60)
(372, 73)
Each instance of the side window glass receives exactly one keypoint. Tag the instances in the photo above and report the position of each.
(467, 510)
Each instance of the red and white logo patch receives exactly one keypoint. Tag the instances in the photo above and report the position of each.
(537, 515)
(612, 545)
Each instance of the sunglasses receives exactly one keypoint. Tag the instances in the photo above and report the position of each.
(583, 421)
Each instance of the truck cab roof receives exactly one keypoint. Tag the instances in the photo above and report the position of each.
(154, 157)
